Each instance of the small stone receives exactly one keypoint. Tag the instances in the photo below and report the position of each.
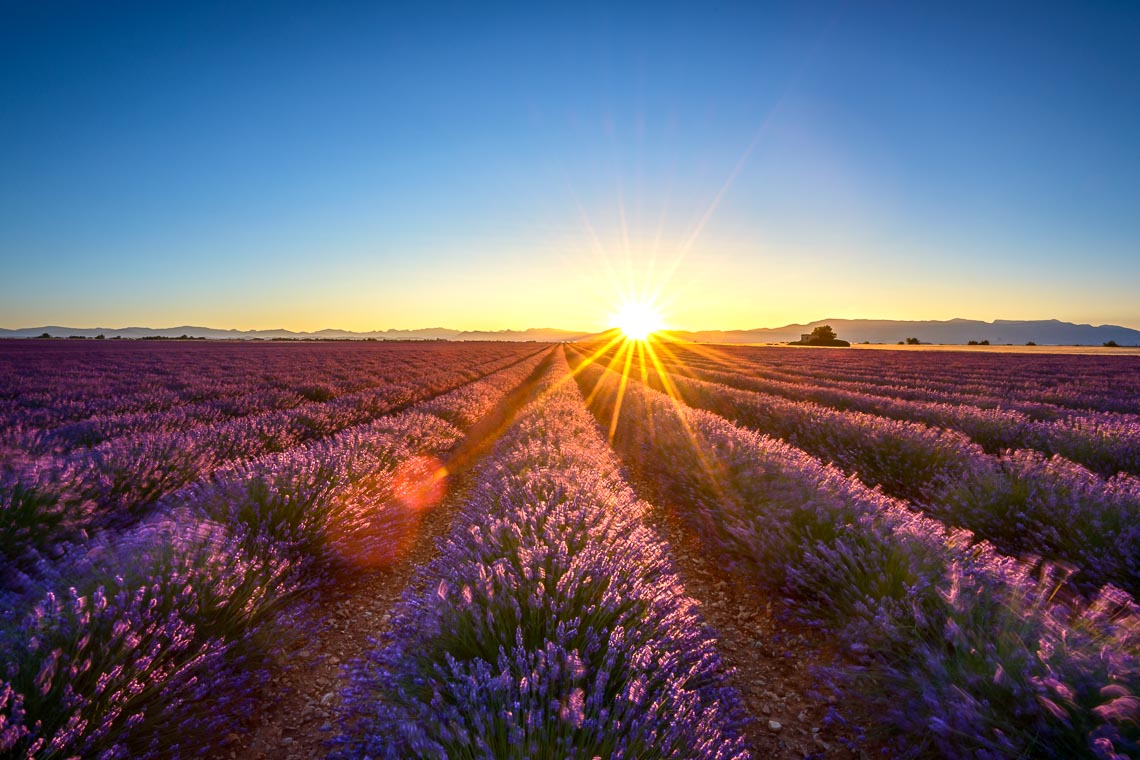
(287, 741)
(774, 725)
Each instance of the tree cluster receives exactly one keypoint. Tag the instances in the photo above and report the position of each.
(823, 336)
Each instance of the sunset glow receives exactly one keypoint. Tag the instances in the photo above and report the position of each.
(538, 380)
(638, 320)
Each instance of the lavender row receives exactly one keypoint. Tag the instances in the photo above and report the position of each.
(326, 493)
(1105, 443)
(265, 391)
(118, 481)
(551, 625)
(150, 377)
(1054, 376)
(153, 642)
(44, 385)
(1037, 385)
(960, 650)
(886, 383)
(1023, 502)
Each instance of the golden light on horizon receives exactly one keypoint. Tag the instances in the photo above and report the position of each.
(637, 320)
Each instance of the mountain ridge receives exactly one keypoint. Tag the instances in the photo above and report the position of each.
(957, 331)
(540, 334)
(950, 332)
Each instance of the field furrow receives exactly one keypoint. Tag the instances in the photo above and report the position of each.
(552, 625)
(961, 651)
(613, 548)
(1041, 387)
(1024, 503)
(1105, 443)
(195, 600)
(120, 481)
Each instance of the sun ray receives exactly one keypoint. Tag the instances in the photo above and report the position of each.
(711, 353)
(622, 386)
(625, 346)
(610, 377)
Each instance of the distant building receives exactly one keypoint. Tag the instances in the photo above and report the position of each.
(805, 337)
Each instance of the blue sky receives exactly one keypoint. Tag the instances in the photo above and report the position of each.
(475, 166)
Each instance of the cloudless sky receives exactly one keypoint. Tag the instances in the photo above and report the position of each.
(478, 166)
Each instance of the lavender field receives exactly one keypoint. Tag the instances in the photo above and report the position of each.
(601, 549)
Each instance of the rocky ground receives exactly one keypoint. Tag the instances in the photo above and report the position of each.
(772, 661)
(301, 703)
(353, 609)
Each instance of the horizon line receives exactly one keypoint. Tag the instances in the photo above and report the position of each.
(990, 322)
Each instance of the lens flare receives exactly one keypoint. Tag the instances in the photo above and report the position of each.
(638, 320)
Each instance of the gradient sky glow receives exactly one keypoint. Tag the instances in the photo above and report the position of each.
(483, 167)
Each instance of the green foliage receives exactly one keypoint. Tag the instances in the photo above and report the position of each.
(823, 333)
(823, 336)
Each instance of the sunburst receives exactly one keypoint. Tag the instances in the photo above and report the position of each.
(638, 320)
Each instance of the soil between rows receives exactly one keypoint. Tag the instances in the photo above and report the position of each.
(354, 608)
(301, 704)
(771, 662)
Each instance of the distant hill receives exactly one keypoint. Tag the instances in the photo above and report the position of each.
(1046, 332)
(540, 334)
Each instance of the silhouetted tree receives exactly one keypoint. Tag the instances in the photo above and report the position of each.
(823, 333)
(822, 336)
(912, 341)
(1111, 344)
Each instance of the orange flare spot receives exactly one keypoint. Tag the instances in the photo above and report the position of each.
(419, 482)
(378, 518)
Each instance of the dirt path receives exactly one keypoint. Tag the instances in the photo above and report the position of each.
(772, 662)
(354, 608)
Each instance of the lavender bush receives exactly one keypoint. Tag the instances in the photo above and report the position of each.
(154, 647)
(152, 642)
(1017, 501)
(965, 651)
(552, 624)
(1106, 443)
(61, 498)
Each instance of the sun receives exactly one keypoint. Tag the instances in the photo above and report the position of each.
(638, 320)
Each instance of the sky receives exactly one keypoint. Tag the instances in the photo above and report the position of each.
(478, 166)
